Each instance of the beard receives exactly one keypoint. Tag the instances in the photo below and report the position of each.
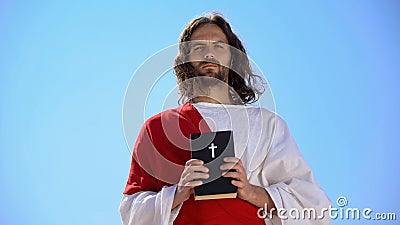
(203, 80)
(208, 79)
(213, 74)
(220, 72)
(212, 78)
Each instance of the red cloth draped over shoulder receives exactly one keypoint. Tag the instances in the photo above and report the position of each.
(159, 155)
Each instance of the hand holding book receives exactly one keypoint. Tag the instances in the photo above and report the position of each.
(238, 175)
(255, 195)
(191, 177)
(212, 148)
(196, 175)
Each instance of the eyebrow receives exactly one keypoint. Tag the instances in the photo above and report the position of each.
(219, 41)
(202, 42)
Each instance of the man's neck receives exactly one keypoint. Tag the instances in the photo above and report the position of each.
(217, 95)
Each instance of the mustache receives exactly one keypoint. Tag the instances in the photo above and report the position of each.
(209, 61)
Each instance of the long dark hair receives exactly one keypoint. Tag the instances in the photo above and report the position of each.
(247, 85)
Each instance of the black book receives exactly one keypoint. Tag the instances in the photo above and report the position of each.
(212, 148)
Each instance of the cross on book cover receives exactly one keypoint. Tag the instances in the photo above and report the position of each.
(212, 148)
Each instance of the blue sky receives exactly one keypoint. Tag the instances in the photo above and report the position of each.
(333, 67)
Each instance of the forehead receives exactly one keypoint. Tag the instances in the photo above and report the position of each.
(209, 32)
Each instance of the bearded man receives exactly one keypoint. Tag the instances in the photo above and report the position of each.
(217, 87)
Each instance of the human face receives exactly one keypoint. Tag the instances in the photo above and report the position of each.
(209, 52)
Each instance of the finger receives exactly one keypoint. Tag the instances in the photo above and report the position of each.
(194, 162)
(194, 183)
(235, 167)
(196, 176)
(234, 175)
(228, 166)
(193, 172)
(193, 177)
(232, 160)
(238, 183)
(192, 168)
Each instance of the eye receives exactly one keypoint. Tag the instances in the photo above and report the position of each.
(197, 47)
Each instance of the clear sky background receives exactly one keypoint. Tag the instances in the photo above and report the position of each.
(333, 67)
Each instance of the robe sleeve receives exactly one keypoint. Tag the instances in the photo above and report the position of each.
(144, 201)
(149, 208)
(292, 185)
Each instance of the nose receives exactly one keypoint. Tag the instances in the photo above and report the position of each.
(209, 54)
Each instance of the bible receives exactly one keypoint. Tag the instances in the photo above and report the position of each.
(212, 148)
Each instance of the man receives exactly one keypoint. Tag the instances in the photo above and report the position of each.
(216, 85)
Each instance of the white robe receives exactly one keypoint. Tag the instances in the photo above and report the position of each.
(270, 156)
